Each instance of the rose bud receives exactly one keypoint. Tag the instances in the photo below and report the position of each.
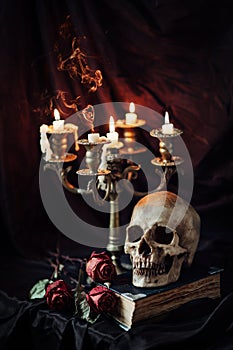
(100, 267)
(58, 296)
(101, 299)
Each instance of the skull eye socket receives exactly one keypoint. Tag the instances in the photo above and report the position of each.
(134, 233)
(162, 235)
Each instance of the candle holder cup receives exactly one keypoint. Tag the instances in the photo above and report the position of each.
(167, 160)
(129, 135)
(93, 157)
(166, 148)
(59, 144)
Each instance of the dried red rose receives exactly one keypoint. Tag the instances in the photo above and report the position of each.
(101, 299)
(100, 267)
(59, 296)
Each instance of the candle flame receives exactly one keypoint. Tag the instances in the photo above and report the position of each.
(167, 121)
(132, 107)
(56, 114)
(111, 124)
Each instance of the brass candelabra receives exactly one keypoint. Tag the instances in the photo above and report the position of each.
(117, 169)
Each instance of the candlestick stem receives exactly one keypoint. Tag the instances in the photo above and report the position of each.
(114, 246)
(93, 156)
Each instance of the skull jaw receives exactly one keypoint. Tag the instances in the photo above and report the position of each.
(144, 278)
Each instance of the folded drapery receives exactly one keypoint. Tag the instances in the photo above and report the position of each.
(160, 54)
(203, 324)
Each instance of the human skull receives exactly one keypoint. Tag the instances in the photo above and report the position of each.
(162, 236)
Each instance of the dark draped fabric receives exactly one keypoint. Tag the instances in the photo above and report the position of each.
(161, 54)
(56, 331)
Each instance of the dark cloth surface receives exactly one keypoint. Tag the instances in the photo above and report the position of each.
(202, 324)
(161, 54)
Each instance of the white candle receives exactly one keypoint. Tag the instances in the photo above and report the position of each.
(57, 123)
(167, 128)
(94, 137)
(103, 164)
(131, 117)
(75, 130)
(44, 142)
(44, 128)
(112, 135)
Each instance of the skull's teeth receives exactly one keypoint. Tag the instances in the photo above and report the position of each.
(152, 270)
(148, 265)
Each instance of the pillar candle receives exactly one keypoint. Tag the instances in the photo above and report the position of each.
(131, 117)
(167, 127)
(94, 137)
(57, 123)
(112, 135)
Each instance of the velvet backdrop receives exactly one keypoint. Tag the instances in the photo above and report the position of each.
(159, 54)
(162, 54)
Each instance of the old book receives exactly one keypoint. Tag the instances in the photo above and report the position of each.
(138, 304)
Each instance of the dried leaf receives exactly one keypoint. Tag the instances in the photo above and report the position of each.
(38, 290)
(82, 308)
(84, 312)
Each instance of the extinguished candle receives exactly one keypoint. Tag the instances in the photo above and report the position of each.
(58, 124)
(167, 127)
(131, 117)
(112, 135)
(93, 137)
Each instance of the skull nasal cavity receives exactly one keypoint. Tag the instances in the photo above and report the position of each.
(144, 248)
(162, 235)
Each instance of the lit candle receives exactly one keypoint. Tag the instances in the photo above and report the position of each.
(94, 137)
(167, 128)
(57, 123)
(131, 117)
(112, 135)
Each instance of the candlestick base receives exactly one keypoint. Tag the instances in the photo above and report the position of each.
(116, 260)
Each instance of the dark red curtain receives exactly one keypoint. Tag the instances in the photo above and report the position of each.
(161, 54)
